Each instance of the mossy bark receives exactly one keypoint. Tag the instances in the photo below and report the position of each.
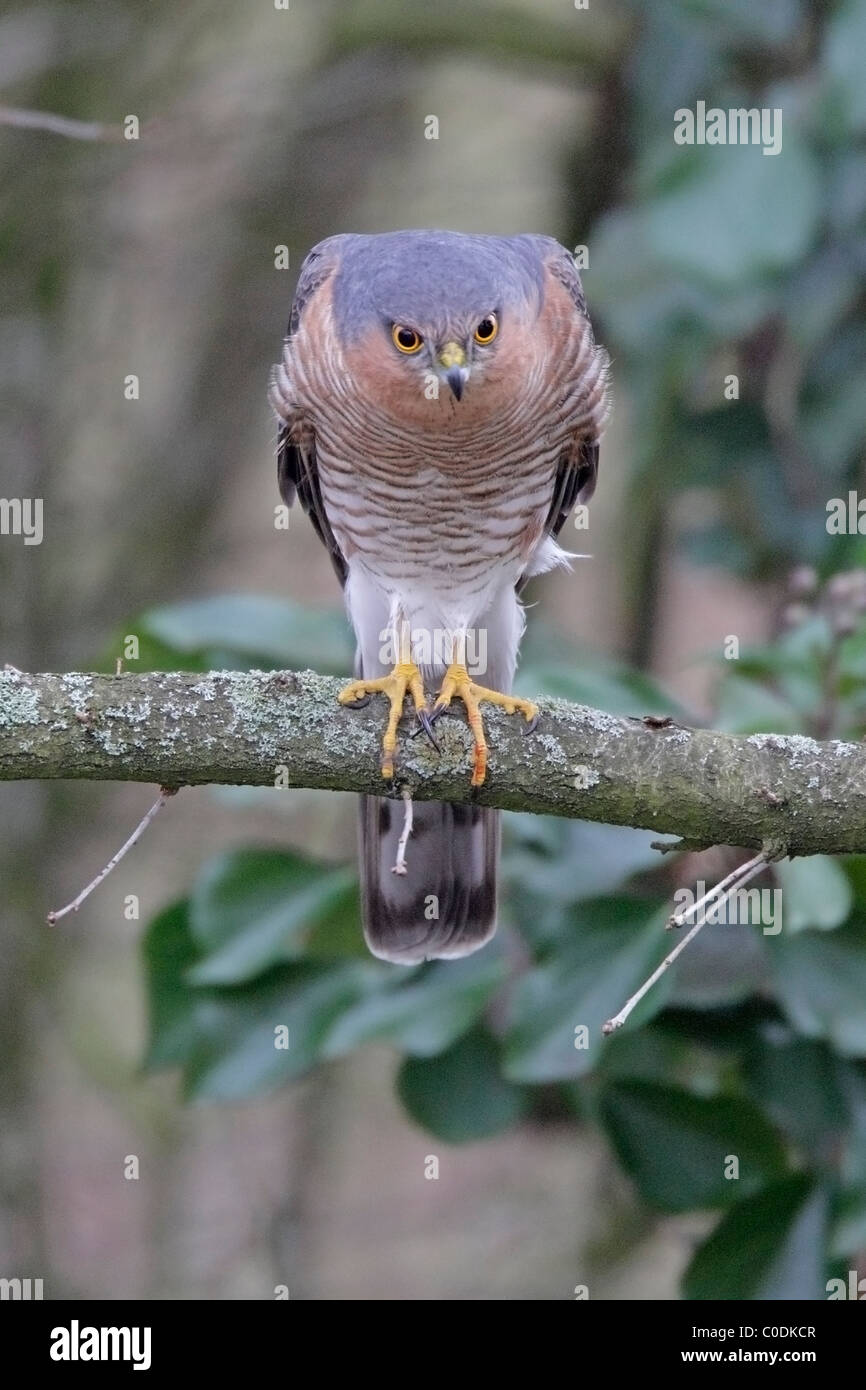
(286, 728)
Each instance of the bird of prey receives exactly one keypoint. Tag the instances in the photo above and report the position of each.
(440, 400)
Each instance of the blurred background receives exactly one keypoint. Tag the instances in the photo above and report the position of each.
(728, 289)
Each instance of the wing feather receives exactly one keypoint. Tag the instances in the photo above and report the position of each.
(297, 470)
(577, 471)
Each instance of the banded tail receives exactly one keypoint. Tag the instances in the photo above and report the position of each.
(445, 904)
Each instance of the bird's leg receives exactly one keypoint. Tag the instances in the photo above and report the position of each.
(457, 682)
(405, 677)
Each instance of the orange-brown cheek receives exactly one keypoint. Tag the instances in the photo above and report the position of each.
(505, 366)
(410, 392)
(381, 376)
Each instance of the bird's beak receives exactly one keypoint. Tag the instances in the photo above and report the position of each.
(453, 359)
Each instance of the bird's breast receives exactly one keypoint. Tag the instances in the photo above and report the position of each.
(440, 491)
(445, 506)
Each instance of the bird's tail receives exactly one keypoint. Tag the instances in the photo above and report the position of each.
(445, 903)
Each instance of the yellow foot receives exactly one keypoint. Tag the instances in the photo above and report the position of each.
(404, 677)
(456, 682)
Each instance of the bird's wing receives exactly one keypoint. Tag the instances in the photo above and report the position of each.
(297, 470)
(577, 470)
(576, 476)
(298, 476)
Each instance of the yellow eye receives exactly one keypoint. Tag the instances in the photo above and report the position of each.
(406, 339)
(487, 329)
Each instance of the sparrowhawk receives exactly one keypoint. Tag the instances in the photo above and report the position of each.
(440, 401)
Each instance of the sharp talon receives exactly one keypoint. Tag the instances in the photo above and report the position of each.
(431, 718)
(426, 724)
(436, 714)
(531, 724)
(404, 679)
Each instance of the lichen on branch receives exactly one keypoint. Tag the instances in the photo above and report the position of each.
(285, 728)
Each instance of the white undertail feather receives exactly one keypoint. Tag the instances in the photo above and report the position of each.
(444, 906)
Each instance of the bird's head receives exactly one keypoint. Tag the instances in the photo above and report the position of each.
(431, 310)
(448, 357)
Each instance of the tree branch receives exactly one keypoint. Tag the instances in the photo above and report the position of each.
(268, 728)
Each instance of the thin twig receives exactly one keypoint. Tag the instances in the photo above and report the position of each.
(164, 794)
(400, 866)
(721, 891)
(59, 125)
(619, 1019)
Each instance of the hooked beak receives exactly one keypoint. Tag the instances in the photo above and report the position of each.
(453, 359)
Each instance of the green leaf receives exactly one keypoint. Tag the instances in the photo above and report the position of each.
(816, 892)
(665, 1056)
(153, 655)
(257, 627)
(768, 1247)
(739, 215)
(796, 665)
(820, 983)
(842, 61)
(676, 1145)
(586, 677)
(745, 706)
(550, 863)
(615, 944)
(804, 647)
(725, 964)
(851, 1077)
(848, 1236)
(424, 1013)
(461, 1095)
(846, 190)
(237, 1053)
(225, 1039)
(251, 909)
(177, 1014)
(773, 23)
(796, 1083)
